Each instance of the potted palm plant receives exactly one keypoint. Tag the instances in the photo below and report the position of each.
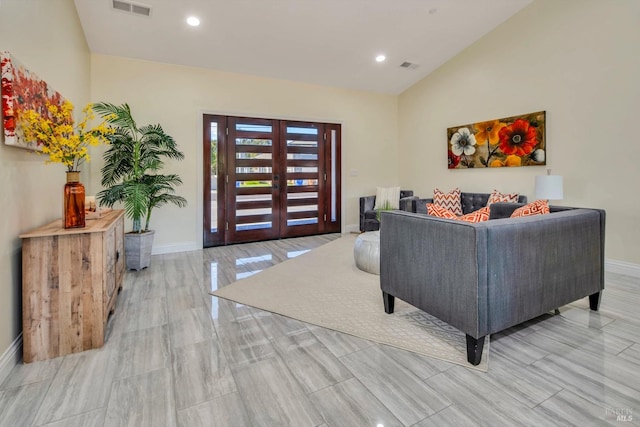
(131, 176)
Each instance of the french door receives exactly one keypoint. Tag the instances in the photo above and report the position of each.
(267, 179)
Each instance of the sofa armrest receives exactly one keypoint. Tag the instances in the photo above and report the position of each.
(541, 262)
(367, 204)
(420, 205)
(431, 263)
(406, 203)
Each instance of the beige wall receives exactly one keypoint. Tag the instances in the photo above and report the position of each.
(576, 59)
(176, 97)
(46, 36)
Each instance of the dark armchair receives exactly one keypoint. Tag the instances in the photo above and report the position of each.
(368, 217)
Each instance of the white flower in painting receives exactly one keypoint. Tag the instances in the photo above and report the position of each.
(463, 142)
(538, 155)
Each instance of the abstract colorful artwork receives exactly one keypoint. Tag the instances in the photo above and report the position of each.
(511, 141)
(22, 90)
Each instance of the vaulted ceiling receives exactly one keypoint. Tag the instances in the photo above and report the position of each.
(326, 42)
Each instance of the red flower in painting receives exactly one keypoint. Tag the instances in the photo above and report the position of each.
(453, 160)
(519, 138)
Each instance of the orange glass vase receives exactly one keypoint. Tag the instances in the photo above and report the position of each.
(73, 208)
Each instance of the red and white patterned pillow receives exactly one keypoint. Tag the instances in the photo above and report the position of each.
(450, 200)
(539, 207)
(440, 212)
(497, 197)
(480, 215)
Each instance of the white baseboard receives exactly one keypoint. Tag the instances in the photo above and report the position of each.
(10, 358)
(352, 228)
(178, 247)
(622, 267)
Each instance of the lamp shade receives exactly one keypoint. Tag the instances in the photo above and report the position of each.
(549, 187)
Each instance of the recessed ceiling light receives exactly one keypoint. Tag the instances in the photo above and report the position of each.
(193, 21)
(380, 58)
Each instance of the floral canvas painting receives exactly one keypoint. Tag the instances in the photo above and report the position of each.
(22, 90)
(511, 141)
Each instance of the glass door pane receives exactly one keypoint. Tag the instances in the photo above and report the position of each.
(213, 156)
(213, 153)
(303, 177)
(253, 190)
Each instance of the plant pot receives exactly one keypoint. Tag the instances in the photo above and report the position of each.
(137, 248)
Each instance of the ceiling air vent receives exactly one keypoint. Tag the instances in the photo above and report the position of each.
(138, 9)
(409, 65)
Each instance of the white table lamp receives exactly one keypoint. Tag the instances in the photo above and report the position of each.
(549, 187)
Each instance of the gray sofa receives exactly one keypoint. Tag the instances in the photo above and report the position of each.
(470, 202)
(485, 277)
(368, 218)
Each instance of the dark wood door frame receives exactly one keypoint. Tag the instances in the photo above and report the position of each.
(316, 164)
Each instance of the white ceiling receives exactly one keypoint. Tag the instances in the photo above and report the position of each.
(326, 42)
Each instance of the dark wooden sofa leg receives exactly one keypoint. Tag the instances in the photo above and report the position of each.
(388, 302)
(594, 301)
(474, 349)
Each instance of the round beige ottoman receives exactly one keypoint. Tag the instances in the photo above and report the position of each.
(366, 252)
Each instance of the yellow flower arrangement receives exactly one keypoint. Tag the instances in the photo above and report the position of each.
(56, 134)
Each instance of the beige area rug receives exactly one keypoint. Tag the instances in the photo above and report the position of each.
(325, 288)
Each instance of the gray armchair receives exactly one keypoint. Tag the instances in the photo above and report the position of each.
(368, 217)
(505, 271)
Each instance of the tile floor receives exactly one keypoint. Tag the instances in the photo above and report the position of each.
(177, 356)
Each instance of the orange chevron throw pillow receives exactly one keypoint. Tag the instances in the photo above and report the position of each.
(450, 200)
(440, 212)
(539, 207)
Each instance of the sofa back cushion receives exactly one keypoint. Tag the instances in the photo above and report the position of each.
(473, 201)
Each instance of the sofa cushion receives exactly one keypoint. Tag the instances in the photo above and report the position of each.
(498, 197)
(539, 207)
(480, 215)
(437, 210)
(387, 198)
(450, 200)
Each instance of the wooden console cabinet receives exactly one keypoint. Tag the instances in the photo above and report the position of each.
(70, 282)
